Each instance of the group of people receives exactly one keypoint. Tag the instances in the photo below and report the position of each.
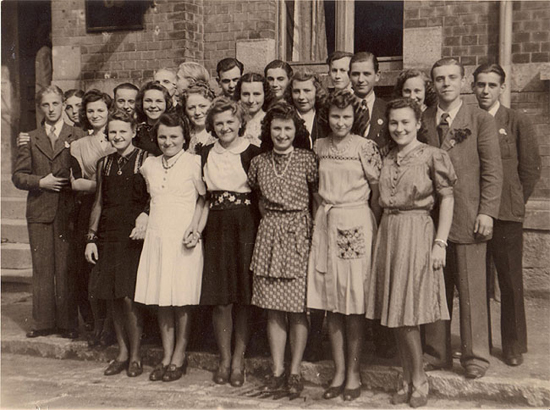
(286, 196)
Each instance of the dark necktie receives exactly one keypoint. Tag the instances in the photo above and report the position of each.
(443, 127)
(52, 137)
(365, 114)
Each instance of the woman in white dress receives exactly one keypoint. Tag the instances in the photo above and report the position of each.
(170, 268)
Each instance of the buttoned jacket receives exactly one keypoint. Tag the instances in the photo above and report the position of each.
(378, 131)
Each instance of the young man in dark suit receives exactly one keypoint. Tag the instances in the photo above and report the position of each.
(521, 168)
(469, 136)
(42, 168)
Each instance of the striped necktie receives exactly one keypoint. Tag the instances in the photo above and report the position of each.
(443, 127)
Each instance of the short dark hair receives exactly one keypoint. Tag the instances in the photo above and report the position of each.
(430, 96)
(228, 64)
(125, 86)
(73, 93)
(285, 111)
(342, 99)
(121, 115)
(320, 92)
(279, 64)
(338, 55)
(91, 96)
(365, 56)
(172, 119)
(447, 61)
(151, 85)
(404, 103)
(490, 68)
(222, 104)
(255, 78)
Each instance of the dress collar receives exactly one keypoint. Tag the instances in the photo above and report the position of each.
(237, 149)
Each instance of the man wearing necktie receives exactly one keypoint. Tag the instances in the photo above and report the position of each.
(469, 135)
(42, 168)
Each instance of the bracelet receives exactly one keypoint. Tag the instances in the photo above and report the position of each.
(440, 242)
(91, 237)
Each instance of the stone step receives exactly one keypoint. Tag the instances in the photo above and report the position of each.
(16, 256)
(9, 190)
(14, 207)
(17, 276)
(15, 230)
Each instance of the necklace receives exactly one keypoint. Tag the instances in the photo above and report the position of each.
(343, 147)
(282, 174)
(125, 160)
(164, 161)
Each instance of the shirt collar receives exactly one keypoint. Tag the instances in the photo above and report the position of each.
(308, 119)
(56, 127)
(494, 108)
(452, 113)
(369, 99)
(237, 149)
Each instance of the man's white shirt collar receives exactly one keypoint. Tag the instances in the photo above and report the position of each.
(494, 109)
(452, 114)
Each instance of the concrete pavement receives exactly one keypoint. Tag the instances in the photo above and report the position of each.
(526, 385)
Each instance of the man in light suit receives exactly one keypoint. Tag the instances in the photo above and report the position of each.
(42, 168)
(521, 167)
(469, 135)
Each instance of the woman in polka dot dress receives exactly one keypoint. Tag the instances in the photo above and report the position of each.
(285, 176)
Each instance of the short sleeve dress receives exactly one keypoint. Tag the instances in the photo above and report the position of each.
(403, 289)
(231, 226)
(124, 196)
(285, 184)
(170, 274)
(345, 227)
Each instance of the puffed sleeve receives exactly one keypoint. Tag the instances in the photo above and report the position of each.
(197, 175)
(253, 173)
(312, 172)
(371, 160)
(443, 172)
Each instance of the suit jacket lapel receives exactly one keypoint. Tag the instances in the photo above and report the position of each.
(458, 122)
(43, 143)
(64, 136)
(431, 129)
(502, 118)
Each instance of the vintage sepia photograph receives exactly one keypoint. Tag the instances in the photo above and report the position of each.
(248, 204)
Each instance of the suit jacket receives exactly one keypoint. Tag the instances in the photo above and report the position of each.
(519, 151)
(378, 131)
(477, 163)
(35, 160)
(318, 130)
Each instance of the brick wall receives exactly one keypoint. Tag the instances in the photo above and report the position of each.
(229, 21)
(531, 32)
(174, 32)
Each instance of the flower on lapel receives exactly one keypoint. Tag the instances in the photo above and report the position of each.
(502, 131)
(198, 147)
(459, 135)
(380, 121)
(67, 144)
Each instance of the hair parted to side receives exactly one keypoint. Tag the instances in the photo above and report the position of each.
(338, 55)
(430, 96)
(320, 92)
(121, 115)
(73, 93)
(193, 71)
(404, 103)
(223, 104)
(151, 85)
(91, 96)
(362, 56)
(279, 64)
(255, 78)
(283, 111)
(490, 68)
(342, 99)
(227, 64)
(172, 119)
(51, 89)
(447, 61)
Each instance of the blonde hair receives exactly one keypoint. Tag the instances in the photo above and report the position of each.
(193, 71)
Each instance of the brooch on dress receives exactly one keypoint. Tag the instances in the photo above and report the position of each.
(67, 144)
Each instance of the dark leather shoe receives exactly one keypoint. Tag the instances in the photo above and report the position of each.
(222, 375)
(69, 334)
(295, 385)
(158, 372)
(419, 396)
(513, 360)
(116, 367)
(474, 372)
(237, 377)
(135, 369)
(40, 332)
(352, 394)
(333, 392)
(174, 372)
(273, 382)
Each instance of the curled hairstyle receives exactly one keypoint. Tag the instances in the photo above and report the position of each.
(172, 119)
(222, 104)
(200, 88)
(121, 115)
(151, 85)
(91, 96)
(342, 99)
(255, 78)
(280, 64)
(73, 93)
(430, 96)
(283, 111)
(417, 109)
(193, 71)
(447, 61)
(53, 89)
(320, 92)
(490, 68)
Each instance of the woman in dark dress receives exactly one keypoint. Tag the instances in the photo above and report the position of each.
(121, 195)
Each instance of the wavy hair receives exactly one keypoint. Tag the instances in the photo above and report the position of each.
(91, 96)
(320, 92)
(222, 104)
(283, 111)
(172, 119)
(430, 96)
(121, 115)
(417, 109)
(255, 78)
(342, 99)
(151, 85)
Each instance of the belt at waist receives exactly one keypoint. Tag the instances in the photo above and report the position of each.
(228, 200)
(393, 211)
